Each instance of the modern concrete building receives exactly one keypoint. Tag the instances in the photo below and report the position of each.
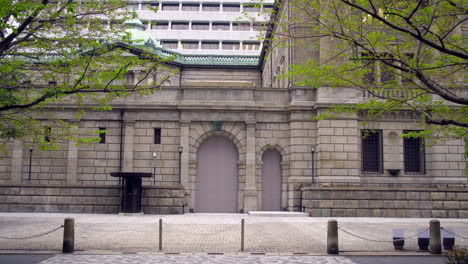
(229, 136)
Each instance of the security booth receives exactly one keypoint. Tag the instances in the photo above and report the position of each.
(131, 190)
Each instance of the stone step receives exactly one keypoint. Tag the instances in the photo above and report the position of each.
(278, 214)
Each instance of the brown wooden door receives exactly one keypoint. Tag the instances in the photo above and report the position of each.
(217, 176)
(271, 180)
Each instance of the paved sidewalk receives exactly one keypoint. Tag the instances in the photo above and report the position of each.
(209, 233)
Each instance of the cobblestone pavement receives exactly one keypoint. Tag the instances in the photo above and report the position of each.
(200, 259)
(209, 233)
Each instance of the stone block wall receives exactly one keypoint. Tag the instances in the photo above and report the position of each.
(385, 202)
(86, 199)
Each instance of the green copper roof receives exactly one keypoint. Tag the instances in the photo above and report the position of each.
(138, 36)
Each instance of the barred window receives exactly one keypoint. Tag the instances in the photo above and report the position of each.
(371, 151)
(200, 26)
(413, 155)
(231, 45)
(190, 7)
(231, 8)
(220, 26)
(210, 7)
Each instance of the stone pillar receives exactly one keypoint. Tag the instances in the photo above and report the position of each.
(72, 163)
(250, 192)
(16, 161)
(128, 146)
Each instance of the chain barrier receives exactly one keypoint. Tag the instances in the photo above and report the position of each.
(446, 230)
(116, 231)
(381, 241)
(171, 228)
(35, 236)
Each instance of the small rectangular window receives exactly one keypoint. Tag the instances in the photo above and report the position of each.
(241, 26)
(413, 154)
(169, 44)
(180, 26)
(371, 151)
(231, 45)
(160, 25)
(251, 8)
(157, 136)
(200, 26)
(102, 135)
(189, 45)
(221, 26)
(210, 45)
(47, 134)
(251, 46)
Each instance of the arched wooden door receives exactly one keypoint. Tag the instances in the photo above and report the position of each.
(271, 180)
(217, 176)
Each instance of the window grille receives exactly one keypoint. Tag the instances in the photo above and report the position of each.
(190, 7)
(220, 26)
(210, 7)
(413, 155)
(231, 8)
(371, 151)
(200, 26)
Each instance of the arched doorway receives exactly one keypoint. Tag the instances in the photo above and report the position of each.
(217, 176)
(271, 180)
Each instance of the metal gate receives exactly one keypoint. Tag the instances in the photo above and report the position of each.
(271, 180)
(217, 176)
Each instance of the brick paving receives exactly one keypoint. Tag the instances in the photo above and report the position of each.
(209, 233)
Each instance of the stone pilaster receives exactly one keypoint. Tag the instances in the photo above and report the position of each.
(72, 163)
(16, 161)
(250, 192)
(184, 167)
(128, 146)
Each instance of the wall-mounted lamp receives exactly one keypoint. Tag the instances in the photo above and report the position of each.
(155, 155)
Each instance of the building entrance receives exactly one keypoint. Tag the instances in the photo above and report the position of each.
(217, 176)
(271, 180)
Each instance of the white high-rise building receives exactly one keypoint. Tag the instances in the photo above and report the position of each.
(217, 27)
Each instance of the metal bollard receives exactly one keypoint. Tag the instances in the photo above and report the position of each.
(68, 236)
(242, 234)
(160, 234)
(332, 237)
(435, 246)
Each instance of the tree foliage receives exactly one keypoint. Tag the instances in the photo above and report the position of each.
(403, 55)
(69, 52)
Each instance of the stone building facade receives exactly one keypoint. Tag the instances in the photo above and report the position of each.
(235, 138)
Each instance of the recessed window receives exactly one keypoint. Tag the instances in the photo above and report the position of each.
(251, 8)
(190, 7)
(102, 135)
(160, 25)
(241, 26)
(169, 44)
(413, 154)
(231, 45)
(371, 151)
(200, 26)
(157, 136)
(221, 26)
(170, 7)
(251, 46)
(180, 26)
(231, 8)
(47, 134)
(210, 45)
(189, 45)
(210, 7)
